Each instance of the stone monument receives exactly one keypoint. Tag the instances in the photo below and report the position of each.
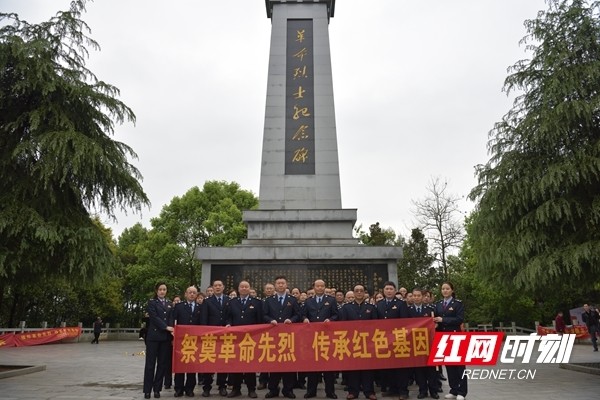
(300, 229)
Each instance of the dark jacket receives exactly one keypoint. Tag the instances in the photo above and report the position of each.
(452, 316)
(274, 311)
(183, 315)
(590, 318)
(159, 318)
(319, 312)
(394, 309)
(354, 311)
(250, 313)
(426, 311)
(215, 313)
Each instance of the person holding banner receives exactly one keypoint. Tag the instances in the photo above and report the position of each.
(321, 308)
(186, 313)
(214, 315)
(449, 316)
(158, 341)
(243, 310)
(394, 379)
(281, 308)
(358, 310)
(426, 377)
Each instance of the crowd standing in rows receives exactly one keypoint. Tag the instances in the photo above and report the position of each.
(282, 305)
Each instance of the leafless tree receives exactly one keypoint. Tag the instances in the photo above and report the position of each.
(438, 215)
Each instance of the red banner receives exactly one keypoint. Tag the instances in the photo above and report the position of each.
(7, 340)
(580, 331)
(38, 337)
(336, 346)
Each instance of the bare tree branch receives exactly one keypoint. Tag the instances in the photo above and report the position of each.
(437, 216)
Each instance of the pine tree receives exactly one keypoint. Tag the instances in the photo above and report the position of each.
(538, 215)
(58, 164)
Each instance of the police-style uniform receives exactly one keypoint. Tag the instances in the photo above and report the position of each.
(280, 308)
(395, 379)
(426, 377)
(319, 309)
(214, 315)
(452, 312)
(364, 378)
(186, 313)
(158, 344)
(243, 311)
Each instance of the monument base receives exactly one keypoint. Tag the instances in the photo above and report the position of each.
(341, 267)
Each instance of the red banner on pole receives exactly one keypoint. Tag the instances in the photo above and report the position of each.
(336, 346)
(34, 338)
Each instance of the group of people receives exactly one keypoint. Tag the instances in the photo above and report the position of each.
(283, 306)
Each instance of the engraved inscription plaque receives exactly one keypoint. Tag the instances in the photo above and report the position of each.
(340, 276)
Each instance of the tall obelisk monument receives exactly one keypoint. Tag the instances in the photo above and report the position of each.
(300, 228)
(300, 167)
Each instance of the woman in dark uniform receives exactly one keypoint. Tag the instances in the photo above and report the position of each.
(449, 316)
(158, 341)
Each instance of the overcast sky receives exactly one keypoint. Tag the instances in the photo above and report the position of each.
(417, 87)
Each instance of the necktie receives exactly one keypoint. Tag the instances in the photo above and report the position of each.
(191, 306)
(220, 300)
(243, 301)
(318, 300)
(281, 300)
(418, 310)
(446, 304)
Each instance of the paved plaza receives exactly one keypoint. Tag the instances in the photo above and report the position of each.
(113, 370)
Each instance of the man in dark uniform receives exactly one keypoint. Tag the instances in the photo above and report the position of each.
(359, 310)
(214, 315)
(281, 308)
(426, 377)
(263, 378)
(321, 308)
(186, 313)
(243, 310)
(395, 379)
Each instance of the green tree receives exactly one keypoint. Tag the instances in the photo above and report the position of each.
(376, 236)
(208, 217)
(538, 219)
(416, 268)
(57, 160)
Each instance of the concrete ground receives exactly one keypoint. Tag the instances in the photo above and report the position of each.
(113, 370)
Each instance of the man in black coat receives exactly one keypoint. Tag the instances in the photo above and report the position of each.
(320, 308)
(590, 317)
(97, 330)
(214, 315)
(187, 312)
(243, 310)
(395, 379)
(281, 308)
(359, 310)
